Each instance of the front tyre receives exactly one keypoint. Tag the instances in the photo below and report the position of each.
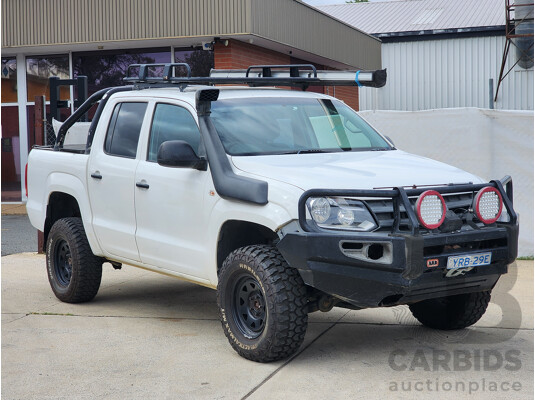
(451, 312)
(74, 272)
(262, 304)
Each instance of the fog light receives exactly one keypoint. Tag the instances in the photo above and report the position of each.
(431, 209)
(488, 205)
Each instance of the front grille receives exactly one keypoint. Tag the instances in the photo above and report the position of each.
(383, 209)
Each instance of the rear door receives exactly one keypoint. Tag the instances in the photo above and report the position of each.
(111, 172)
(171, 219)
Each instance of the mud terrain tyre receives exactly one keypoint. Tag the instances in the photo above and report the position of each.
(262, 304)
(451, 312)
(74, 272)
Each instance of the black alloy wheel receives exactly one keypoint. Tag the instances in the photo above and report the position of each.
(249, 307)
(63, 262)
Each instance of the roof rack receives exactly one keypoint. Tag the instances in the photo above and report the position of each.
(295, 75)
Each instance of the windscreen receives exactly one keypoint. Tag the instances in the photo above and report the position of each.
(288, 125)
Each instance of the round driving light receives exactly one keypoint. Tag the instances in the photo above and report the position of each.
(489, 205)
(346, 217)
(431, 209)
(320, 209)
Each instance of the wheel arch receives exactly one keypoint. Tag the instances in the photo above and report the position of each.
(226, 217)
(68, 190)
(234, 234)
(60, 205)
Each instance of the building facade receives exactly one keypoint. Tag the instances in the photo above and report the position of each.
(100, 38)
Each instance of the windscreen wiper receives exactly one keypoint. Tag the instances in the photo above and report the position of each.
(307, 151)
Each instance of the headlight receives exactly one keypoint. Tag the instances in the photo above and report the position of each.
(340, 213)
(320, 209)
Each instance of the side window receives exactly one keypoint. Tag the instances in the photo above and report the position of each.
(124, 129)
(172, 123)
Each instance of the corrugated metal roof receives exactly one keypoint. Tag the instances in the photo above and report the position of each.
(419, 15)
(286, 24)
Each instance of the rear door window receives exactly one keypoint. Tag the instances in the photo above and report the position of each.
(124, 129)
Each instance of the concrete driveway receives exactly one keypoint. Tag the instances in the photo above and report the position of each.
(147, 336)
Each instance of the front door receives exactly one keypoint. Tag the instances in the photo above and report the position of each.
(171, 222)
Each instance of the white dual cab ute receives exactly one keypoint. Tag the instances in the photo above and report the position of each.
(285, 201)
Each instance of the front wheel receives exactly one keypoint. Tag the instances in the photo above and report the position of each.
(262, 304)
(451, 312)
(74, 272)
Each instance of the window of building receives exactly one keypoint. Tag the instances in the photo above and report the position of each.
(9, 80)
(172, 123)
(10, 132)
(200, 61)
(38, 71)
(108, 68)
(124, 129)
(11, 172)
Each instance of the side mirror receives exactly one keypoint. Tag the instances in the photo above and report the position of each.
(178, 153)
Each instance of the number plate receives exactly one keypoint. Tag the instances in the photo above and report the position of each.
(473, 260)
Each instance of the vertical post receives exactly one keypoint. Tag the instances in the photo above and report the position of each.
(491, 93)
(173, 73)
(71, 88)
(54, 97)
(39, 116)
(23, 124)
(81, 84)
(39, 130)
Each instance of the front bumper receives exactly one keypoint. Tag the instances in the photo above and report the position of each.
(412, 267)
(323, 265)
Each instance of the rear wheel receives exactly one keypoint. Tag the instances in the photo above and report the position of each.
(74, 272)
(451, 312)
(262, 304)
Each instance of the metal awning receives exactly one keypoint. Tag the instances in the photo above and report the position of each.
(288, 27)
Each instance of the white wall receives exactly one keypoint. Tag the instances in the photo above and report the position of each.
(488, 143)
(431, 74)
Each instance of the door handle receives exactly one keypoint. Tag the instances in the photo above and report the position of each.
(96, 175)
(142, 185)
